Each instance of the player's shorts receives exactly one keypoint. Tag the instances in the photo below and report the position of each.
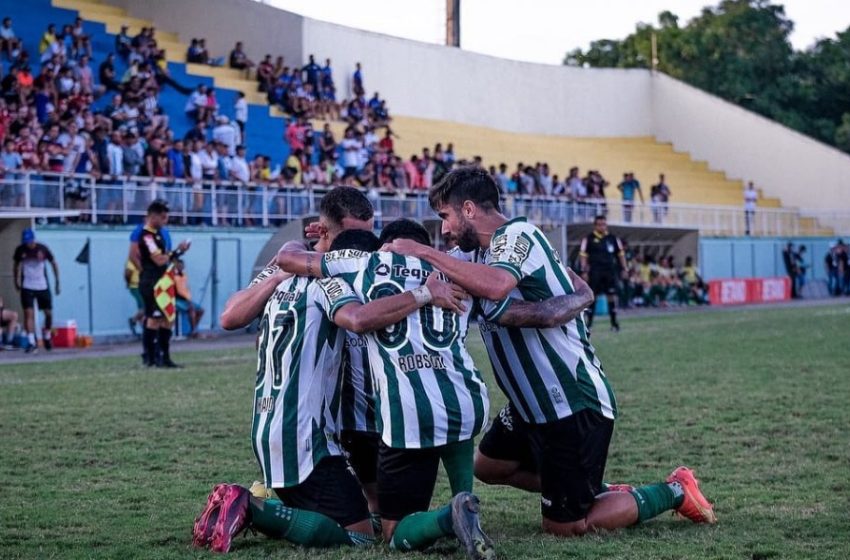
(571, 454)
(603, 282)
(137, 297)
(30, 297)
(406, 477)
(152, 310)
(332, 490)
(507, 439)
(361, 448)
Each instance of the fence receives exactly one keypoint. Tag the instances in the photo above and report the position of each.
(219, 203)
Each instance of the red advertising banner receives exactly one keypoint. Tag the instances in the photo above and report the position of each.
(740, 291)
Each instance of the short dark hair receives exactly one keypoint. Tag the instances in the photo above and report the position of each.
(466, 183)
(599, 217)
(343, 202)
(158, 207)
(405, 229)
(358, 239)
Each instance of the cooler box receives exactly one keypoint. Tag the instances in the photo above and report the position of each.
(65, 336)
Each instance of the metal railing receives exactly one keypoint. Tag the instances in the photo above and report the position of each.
(221, 203)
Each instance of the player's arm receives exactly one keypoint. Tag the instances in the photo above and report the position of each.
(300, 262)
(17, 274)
(480, 280)
(246, 305)
(383, 312)
(134, 255)
(582, 256)
(549, 313)
(55, 266)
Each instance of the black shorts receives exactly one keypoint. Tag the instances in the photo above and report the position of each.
(332, 490)
(603, 282)
(361, 448)
(29, 297)
(152, 310)
(571, 454)
(507, 439)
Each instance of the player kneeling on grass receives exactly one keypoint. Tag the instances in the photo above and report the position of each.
(294, 428)
(551, 376)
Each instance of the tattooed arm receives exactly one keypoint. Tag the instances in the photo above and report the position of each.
(549, 313)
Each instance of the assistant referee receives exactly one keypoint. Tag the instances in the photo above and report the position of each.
(601, 254)
(154, 259)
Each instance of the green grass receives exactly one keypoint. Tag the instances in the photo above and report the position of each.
(101, 459)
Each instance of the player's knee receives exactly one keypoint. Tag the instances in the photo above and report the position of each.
(490, 471)
(569, 529)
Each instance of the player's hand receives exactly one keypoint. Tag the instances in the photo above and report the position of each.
(445, 295)
(406, 247)
(314, 230)
(184, 245)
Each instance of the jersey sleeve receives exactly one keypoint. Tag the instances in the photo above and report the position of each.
(48, 255)
(514, 250)
(492, 310)
(265, 273)
(333, 294)
(135, 235)
(19, 254)
(150, 243)
(345, 261)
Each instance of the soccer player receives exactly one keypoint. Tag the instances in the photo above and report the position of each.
(30, 274)
(601, 252)
(154, 259)
(295, 412)
(551, 377)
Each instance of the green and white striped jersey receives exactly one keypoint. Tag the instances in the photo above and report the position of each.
(357, 404)
(296, 399)
(547, 374)
(429, 391)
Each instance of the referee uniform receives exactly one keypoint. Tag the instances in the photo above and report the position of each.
(155, 341)
(601, 252)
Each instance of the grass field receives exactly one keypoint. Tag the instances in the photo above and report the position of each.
(102, 459)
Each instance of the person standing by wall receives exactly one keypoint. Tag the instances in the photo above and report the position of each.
(154, 259)
(790, 262)
(30, 274)
(750, 198)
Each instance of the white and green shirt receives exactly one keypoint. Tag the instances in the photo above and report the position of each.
(357, 403)
(547, 374)
(296, 400)
(429, 391)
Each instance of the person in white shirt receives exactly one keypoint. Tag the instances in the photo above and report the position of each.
(239, 168)
(545, 179)
(350, 153)
(225, 133)
(751, 197)
(241, 112)
(209, 162)
(75, 144)
(196, 104)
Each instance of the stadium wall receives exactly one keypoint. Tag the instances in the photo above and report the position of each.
(747, 257)
(801, 171)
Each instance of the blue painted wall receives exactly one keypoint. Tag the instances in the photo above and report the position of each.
(744, 257)
(112, 302)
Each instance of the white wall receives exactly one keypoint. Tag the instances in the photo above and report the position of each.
(263, 29)
(801, 171)
(432, 81)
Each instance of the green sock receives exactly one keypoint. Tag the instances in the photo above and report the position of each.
(307, 528)
(458, 460)
(654, 499)
(420, 530)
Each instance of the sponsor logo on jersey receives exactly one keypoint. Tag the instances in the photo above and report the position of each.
(287, 297)
(402, 271)
(264, 404)
(413, 362)
(354, 342)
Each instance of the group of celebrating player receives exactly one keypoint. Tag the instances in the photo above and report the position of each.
(364, 384)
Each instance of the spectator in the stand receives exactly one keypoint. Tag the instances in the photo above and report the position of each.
(628, 187)
(294, 165)
(47, 39)
(10, 162)
(426, 168)
(8, 41)
(327, 144)
(545, 180)
(351, 147)
(240, 113)
(123, 43)
(751, 197)
(239, 169)
(790, 267)
(196, 133)
(81, 40)
(311, 73)
(280, 68)
(106, 74)
(133, 153)
(238, 59)
(196, 104)
(195, 54)
(294, 134)
(659, 196)
(227, 134)
(265, 74)
(357, 81)
(502, 178)
(176, 160)
(209, 162)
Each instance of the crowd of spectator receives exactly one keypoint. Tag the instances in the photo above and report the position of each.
(652, 282)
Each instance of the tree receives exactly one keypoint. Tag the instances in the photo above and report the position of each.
(739, 50)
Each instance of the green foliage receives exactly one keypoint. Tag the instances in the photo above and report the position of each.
(739, 50)
(100, 458)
